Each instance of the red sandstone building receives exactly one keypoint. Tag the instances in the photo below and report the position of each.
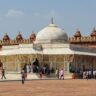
(77, 39)
(89, 40)
(6, 40)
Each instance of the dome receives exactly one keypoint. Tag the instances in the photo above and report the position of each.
(51, 33)
(77, 34)
(32, 37)
(93, 32)
(6, 37)
(19, 37)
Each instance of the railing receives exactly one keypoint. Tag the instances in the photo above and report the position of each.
(82, 39)
(70, 39)
(15, 42)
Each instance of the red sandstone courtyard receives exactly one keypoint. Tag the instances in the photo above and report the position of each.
(49, 88)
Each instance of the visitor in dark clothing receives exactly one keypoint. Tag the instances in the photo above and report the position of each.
(3, 74)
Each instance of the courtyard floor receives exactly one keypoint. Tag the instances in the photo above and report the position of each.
(49, 88)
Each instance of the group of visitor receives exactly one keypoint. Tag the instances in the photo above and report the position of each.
(35, 68)
(45, 70)
(25, 70)
(88, 74)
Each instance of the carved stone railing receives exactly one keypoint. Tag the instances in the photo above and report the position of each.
(82, 39)
(15, 42)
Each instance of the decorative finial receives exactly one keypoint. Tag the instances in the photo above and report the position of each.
(32, 31)
(94, 29)
(6, 33)
(78, 29)
(52, 22)
(19, 33)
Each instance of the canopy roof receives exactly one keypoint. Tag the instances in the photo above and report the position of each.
(50, 49)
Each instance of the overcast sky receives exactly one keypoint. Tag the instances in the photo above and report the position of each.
(33, 15)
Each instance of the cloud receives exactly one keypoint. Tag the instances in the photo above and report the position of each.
(14, 13)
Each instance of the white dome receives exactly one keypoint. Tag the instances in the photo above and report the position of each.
(51, 33)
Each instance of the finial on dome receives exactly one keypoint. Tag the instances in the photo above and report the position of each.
(6, 33)
(94, 29)
(78, 33)
(63, 29)
(52, 22)
(77, 30)
(19, 32)
(6, 37)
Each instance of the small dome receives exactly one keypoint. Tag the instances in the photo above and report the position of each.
(19, 37)
(77, 34)
(51, 33)
(6, 37)
(32, 36)
(93, 32)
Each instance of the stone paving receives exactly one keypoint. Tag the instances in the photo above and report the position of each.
(17, 76)
(69, 87)
(30, 76)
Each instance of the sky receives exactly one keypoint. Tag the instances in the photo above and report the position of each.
(26, 16)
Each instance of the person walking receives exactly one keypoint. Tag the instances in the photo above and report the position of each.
(3, 74)
(57, 73)
(1, 65)
(23, 76)
(40, 72)
(94, 74)
(87, 74)
(61, 74)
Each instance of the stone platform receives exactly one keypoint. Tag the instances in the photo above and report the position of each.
(30, 76)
